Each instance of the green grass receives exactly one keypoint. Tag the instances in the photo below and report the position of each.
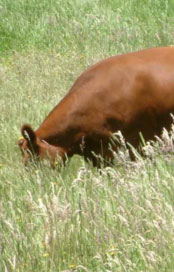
(78, 219)
(101, 26)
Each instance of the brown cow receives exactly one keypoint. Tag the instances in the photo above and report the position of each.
(132, 93)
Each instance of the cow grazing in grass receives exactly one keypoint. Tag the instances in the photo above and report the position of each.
(132, 93)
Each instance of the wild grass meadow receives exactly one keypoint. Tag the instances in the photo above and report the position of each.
(77, 218)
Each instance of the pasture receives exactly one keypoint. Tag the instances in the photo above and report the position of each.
(77, 218)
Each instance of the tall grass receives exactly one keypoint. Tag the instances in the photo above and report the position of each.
(78, 218)
(85, 220)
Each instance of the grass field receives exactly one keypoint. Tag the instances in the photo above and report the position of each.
(79, 219)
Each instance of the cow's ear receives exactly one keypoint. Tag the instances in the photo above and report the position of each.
(29, 134)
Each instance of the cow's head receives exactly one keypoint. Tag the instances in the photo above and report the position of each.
(34, 148)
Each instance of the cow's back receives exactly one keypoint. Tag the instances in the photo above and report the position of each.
(124, 86)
